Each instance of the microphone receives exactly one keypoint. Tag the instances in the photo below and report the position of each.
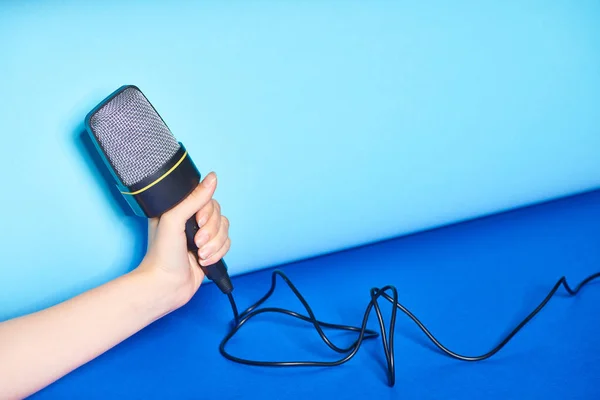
(152, 170)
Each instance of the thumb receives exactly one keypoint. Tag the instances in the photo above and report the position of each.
(201, 195)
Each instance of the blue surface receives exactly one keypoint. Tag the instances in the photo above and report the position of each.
(331, 124)
(469, 283)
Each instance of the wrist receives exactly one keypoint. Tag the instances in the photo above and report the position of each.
(161, 292)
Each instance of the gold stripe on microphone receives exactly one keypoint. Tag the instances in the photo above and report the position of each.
(163, 176)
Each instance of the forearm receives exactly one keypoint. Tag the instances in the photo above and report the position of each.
(37, 349)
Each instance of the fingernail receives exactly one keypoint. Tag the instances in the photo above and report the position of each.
(202, 221)
(205, 253)
(209, 181)
(202, 239)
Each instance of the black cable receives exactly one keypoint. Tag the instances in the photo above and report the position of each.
(236, 315)
(364, 333)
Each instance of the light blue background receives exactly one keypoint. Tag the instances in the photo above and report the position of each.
(330, 124)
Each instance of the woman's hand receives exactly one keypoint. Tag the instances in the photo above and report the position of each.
(168, 258)
(38, 348)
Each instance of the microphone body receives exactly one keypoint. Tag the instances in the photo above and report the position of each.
(151, 169)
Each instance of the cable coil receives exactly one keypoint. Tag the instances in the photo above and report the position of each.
(390, 294)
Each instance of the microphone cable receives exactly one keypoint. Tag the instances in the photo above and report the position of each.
(389, 293)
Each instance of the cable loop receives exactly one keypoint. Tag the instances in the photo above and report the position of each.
(387, 338)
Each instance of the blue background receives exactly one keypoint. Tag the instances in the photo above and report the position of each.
(330, 124)
(470, 284)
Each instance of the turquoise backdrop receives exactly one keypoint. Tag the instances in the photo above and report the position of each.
(329, 123)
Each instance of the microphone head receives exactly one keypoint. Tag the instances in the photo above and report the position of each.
(151, 168)
(132, 135)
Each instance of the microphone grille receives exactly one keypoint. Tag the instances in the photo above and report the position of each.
(134, 138)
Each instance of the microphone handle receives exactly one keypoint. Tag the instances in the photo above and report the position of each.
(216, 272)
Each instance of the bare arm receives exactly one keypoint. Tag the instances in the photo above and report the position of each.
(37, 349)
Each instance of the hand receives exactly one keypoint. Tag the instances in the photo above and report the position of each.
(41, 347)
(168, 256)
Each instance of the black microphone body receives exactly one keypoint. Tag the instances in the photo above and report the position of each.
(153, 175)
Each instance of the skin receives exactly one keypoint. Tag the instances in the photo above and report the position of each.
(39, 348)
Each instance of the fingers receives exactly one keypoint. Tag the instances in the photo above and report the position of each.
(194, 202)
(209, 222)
(214, 245)
(213, 234)
(205, 213)
(218, 255)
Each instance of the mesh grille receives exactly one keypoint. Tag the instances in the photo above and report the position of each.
(134, 138)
